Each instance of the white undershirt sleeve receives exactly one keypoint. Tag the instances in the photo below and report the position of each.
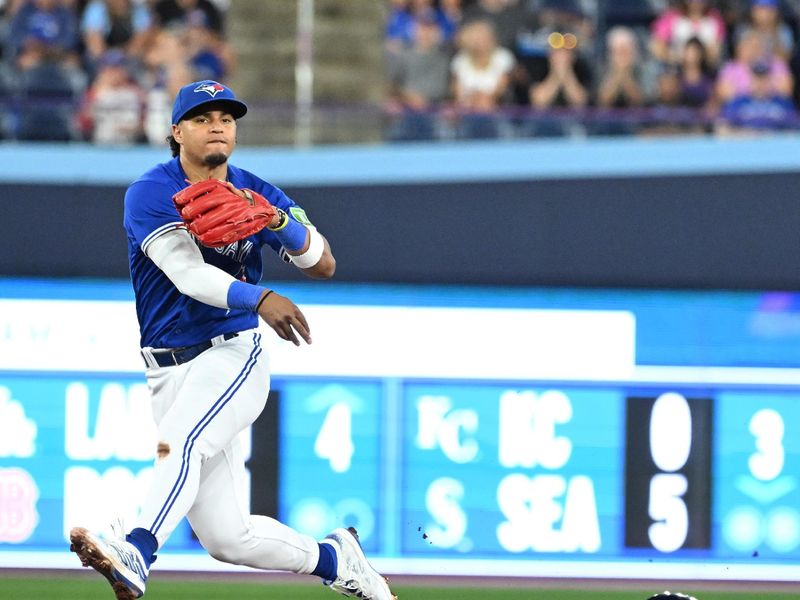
(175, 253)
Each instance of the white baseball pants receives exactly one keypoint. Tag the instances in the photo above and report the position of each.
(200, 407)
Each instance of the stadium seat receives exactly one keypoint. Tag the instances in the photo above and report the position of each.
(48, 80)
(43, 124)
(632, 12)
(45, 101)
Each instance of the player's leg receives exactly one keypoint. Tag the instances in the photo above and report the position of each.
(225, 528)
(125, 564)
(199, 407)
(224, 390)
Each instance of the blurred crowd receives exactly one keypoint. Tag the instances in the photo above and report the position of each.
(519, 68)
(104, 71)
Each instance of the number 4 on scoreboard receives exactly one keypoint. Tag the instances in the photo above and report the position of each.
(334, 441)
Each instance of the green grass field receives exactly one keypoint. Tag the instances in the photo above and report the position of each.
(13, 588)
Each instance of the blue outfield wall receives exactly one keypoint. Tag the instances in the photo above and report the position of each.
(692, 213)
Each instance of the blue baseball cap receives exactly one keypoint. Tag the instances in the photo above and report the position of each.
(205, 92)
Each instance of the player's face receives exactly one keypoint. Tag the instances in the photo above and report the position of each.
(208, 138)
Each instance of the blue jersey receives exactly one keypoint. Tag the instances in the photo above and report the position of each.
(167, 318)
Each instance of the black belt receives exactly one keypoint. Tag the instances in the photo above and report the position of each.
(170, 357)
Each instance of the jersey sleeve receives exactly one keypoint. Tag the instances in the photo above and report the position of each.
(149, 212)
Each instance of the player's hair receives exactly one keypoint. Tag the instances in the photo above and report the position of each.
(174, 146)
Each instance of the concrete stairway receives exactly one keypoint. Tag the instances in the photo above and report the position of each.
(348, 69)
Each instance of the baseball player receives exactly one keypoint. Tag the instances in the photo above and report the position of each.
(196, 225)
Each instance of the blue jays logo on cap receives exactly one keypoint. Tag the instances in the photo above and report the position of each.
(210, 88)
(203, 92)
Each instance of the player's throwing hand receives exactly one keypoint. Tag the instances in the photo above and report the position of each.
(284, 317)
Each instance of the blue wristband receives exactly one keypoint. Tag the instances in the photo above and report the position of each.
(244, 295)
(292, 235)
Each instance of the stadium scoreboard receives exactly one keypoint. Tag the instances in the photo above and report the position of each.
(614, 440)
(618, 471)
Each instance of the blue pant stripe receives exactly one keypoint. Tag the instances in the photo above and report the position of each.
(198, 429)
(192, 446)
(221, 401)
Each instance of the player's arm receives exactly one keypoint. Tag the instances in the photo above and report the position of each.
(301, 244)
(326, 266)
(304, 246)
(176, 254)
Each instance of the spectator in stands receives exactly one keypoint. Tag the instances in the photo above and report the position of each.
(48, 78)
(199, 25)
(42, 30)
(401, 23)
(113, 104)
(166, 71)
(566, 81)
(765, 20)
(480, 74)
(110, 24)
(736, 76)
(453, 13)
(425, 78)
(668, 93)
(562, 81)
(202, 49)
(420, 83)
(554, 16)
(622, 85)
(760, 109)
(668, 115)
(398, 32)
(696, 76)
(7, 11)
(733, 13)
(480, 69)
(172, 14)
(691, 18)
(506, 16)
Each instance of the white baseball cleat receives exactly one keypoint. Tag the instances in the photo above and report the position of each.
(355, 577)
(117, 560)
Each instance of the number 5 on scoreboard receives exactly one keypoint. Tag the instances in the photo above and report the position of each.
(667, 509)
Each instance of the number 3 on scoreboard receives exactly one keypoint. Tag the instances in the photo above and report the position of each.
(767, 428)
